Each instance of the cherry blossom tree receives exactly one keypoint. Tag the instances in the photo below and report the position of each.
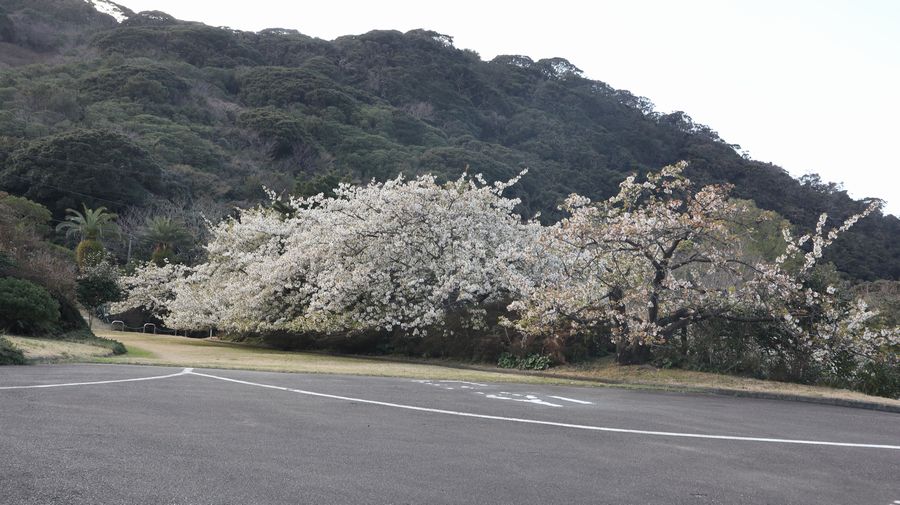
(403, 255)
(412, 257)
(831, 326)
(662, 256)
(150, 287)
(393, 256)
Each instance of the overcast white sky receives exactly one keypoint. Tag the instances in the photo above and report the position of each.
(812, 86)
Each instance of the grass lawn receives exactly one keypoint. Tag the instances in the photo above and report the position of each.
(42, 350)
(148, 349)
(606, 370)
(204, 353)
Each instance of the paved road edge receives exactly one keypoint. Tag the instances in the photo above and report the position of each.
(765, 395)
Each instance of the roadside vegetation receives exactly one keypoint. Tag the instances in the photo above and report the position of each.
(148, 349)
(664, 273)
(10, 354)
(42, 283)
(46, 350)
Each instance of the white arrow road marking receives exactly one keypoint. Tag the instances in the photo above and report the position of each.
(573, 400)
(528, 399)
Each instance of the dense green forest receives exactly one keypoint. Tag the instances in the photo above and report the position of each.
(158, 115)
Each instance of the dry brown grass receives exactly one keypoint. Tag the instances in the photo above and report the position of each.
(146, 349)
(204, 353)
(607, 370)
(47, 350)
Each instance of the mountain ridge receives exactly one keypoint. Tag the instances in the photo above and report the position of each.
(215, 113)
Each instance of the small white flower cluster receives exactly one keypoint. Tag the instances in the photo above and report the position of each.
(151, 287)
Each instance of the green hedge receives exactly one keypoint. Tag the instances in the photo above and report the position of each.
(26, 307)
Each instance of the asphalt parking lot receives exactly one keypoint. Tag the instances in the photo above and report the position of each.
(91, 434)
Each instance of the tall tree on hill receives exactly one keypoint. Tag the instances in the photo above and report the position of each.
(89, 227)
(156, 109)
(166, 235)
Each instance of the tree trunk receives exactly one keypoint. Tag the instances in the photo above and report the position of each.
(627, 353)
(632, 354)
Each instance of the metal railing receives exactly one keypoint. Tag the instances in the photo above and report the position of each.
(152, 328)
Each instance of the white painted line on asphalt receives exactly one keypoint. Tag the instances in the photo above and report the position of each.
(466, 382)
(552, 423)
(528, 399)
(573, 400)
(39, 386)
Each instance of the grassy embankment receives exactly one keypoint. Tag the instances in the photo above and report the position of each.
(204, 353)
(45, 350)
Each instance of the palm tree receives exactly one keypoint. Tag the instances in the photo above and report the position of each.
(89, 227)
(166, 235)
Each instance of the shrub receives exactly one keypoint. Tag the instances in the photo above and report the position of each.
(26, 307)
(507, 360)
(98, 284)
(6, 261)
(25, 254)
(85, 336)
(535, 362)
(89, 252)
(880, 378)
(530, 362)
(141, 81)
(9, 355)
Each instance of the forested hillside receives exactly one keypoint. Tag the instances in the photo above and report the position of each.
(154, 112)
